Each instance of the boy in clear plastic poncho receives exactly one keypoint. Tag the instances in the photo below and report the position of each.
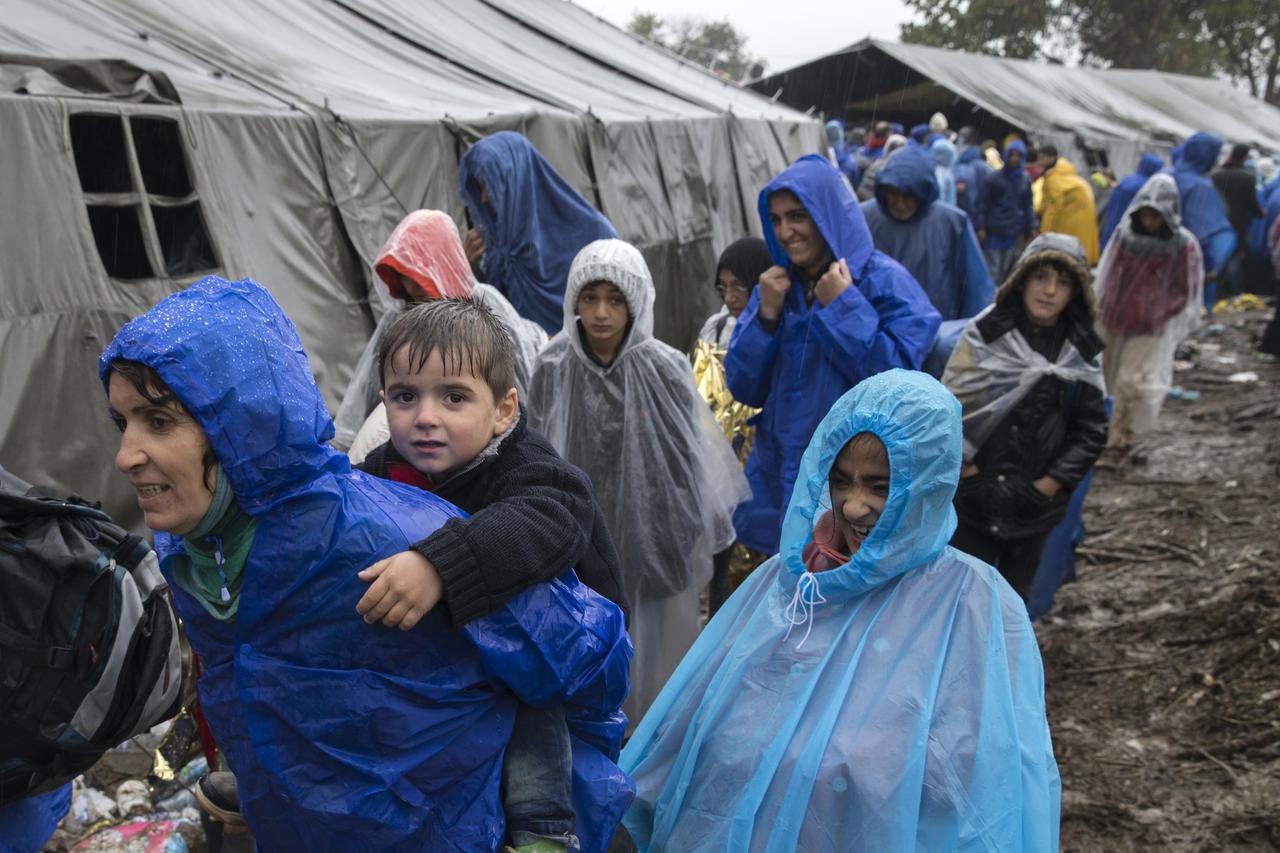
(868, 688)
(423, 260)
(622, 406)
(1150, 285)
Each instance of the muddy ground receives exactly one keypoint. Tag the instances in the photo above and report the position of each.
(1162, 660)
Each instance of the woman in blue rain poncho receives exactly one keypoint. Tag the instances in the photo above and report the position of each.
(944, 158)
(531, 222)
(889, 701)
(820, 345)
(341, 734)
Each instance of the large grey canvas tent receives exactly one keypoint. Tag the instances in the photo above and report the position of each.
(147, 143)
(1120, 112)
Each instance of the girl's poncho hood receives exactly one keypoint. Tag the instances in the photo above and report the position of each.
(832, 207)
(537, 224)
(918, 421)
(269, 427)
(1160, 193)
(425, 246)
(622, 265)
(944, 153)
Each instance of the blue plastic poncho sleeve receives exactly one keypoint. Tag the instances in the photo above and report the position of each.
(978, 288)
(557, 643)
(1203, 216)
(748, 365)
(863, 338)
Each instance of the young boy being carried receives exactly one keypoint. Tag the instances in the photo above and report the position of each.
(458, 430)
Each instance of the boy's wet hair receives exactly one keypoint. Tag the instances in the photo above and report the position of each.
(1064, 272)
(469, 336)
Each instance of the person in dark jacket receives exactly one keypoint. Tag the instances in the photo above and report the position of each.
(1125, 191)
(1027, 374)
(934, 241)
(458, 431)
(1003, 215)
(1238, 188)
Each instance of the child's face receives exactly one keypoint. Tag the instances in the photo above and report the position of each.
(441, 420)
(859, 483)
(1046, 294)
(162, 452)
(602, 307)
(734, 293)
(1149, 220)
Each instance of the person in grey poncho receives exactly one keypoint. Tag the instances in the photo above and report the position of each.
(622, 405)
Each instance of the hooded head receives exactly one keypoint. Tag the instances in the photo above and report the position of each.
(918, 421)
(532, 222)
(1266, 169)
(909, 171)
(944, 153)
(937, 123)
(969, 154)
(1019, 146)
(1160, 193)
(919, 134)
(1199, 153)
(833, 209)
(234, 361)
(894, 142)
(426, 249)
(1067, 252)
(619, 263)
(1150, 164)
(968, 135)
(835, 134)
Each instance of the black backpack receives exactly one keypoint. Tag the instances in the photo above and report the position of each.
(90, 653)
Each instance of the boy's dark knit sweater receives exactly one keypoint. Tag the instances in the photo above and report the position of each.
(532, 517)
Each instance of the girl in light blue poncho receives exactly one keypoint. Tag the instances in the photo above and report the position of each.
(868, 688)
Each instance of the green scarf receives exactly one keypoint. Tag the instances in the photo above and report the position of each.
(216, 553)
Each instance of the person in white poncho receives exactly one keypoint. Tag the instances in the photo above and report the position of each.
(622, 406)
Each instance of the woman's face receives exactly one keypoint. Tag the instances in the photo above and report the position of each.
(162, 452)
(859, 483)
(1150, 220)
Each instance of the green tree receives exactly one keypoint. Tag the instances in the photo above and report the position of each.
(1238, 38)
(716, 45)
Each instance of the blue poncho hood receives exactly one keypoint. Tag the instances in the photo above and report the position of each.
(911, 171)
(893, 703)
(904, 409)
(833, 208)
(541, 223)
(1149, 164)
(337, 729)
(968, 154)
(269, 451)
(1199, 153)
(1019, 146)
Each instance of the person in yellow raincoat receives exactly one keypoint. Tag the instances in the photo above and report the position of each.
(737, 273)
(1065, 204)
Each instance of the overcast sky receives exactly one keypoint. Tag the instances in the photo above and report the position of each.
(785, 32)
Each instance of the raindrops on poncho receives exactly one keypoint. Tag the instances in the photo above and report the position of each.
(337, 729)
(911, 716)
(663, 472)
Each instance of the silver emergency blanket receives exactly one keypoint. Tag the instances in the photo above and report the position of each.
(665, 476)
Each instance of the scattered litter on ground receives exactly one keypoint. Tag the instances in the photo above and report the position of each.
(1162, 660)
